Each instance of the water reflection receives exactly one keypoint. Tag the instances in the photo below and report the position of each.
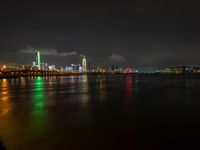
(98, 107)
(73, 83)
(84, 90)
(38, 95)
(5, 104)
(22, 82)
(128, 94)
(189, 84)
(39, 111)
(102, 89)
(129, 87)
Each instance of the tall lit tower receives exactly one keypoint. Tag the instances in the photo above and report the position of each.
(37, 59)
(84, 64)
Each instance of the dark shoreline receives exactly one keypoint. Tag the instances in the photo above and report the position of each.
(58, 75)
(110, 74)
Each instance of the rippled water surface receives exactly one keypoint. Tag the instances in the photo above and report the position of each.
(100, 112)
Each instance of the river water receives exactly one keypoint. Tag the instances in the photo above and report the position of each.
(100, 112)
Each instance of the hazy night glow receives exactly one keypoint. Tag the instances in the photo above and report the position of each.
(99, 75)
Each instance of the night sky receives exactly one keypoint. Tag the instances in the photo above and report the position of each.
(142, 33)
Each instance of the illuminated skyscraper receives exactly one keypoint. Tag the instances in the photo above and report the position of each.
(84, 64)
(37, 59)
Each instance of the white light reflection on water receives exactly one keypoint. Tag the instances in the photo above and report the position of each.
(102, 89)
(84, 90)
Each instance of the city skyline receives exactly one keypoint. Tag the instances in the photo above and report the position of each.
(84, 67)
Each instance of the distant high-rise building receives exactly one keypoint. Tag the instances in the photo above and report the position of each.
(89, 67)
(34, 64)
(42, 65)
(37, 59)
(52, 68)
(84, 64)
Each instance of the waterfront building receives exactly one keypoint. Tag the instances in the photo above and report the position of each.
(89, 67)
(128, 70)
(68, 68)
(52, 68)
(179, 69)
(37, 59)
(79, 68)
(84, 64)
(34, 64)
(42, 65)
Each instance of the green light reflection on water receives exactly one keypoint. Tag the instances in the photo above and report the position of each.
(39, 114)
(38, 95)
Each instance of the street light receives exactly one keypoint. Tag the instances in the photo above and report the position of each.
(4, 67)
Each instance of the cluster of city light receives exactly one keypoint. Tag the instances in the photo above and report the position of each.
(180, 69)
(76, 68)
(3, 67)
(84, 67)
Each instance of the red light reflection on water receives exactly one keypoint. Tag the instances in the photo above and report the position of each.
(129, 87)
(128, 94)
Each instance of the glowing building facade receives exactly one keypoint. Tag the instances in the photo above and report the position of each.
(84, 64)
(37, 59)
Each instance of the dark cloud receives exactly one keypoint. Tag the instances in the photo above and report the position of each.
(142, 32)
(48, 52)
(116, 57)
